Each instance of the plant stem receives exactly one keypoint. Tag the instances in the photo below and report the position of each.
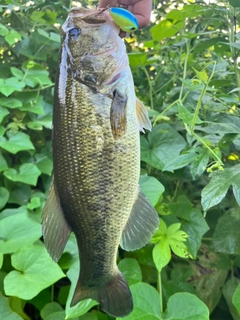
(150, 87)
(159, 285)
(185, 68)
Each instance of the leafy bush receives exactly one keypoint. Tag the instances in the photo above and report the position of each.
(186, 69)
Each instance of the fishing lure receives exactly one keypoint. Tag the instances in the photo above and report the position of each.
(124, 19)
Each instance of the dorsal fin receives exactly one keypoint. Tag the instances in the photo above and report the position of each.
(142, 116)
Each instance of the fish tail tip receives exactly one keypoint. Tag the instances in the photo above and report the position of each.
(115, 297)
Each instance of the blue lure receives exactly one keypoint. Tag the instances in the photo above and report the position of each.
(124, 19)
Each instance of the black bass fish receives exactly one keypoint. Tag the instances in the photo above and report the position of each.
(96, 156)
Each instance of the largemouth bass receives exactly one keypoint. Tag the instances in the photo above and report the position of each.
(96, 156)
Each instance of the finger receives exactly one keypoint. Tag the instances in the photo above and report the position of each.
(105, 3)
(142, 11)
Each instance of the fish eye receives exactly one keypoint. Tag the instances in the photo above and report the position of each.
(74, 32)
(133, 28)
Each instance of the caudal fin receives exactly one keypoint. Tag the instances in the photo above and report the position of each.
(115, 297)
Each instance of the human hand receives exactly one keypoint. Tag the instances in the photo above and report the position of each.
(140, 8)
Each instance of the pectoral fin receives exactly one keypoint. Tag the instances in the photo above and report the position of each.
(141, 225)
(118, 115)
(142, 116)
(54, 226)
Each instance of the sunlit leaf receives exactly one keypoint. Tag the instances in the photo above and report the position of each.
(18, 142)
(18, 230)
(146, 303)
(35, 270)
(28, 173)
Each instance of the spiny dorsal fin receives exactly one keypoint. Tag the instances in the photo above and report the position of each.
(54, 226)
(142, 116)
(141, 225)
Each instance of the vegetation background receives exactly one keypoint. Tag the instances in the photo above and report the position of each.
(186, 69)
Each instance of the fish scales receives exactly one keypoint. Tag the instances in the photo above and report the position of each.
(96, 157)
(102, 173)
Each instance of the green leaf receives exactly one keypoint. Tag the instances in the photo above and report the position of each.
(44, 164)
(17, 73)
(186, 306)
(180, 161)
(8, 86)
(18, 230)
(5, 311)
(236, 299)
(146, 303)
(131, 270)
(161, 254)
(10, 103)
(195, 228)
(216, 189)
(226, 237)
(12, 37)
(202, 75)
(28, 173)
(137, 59)
(186, 116)
(3, 113)
(228, 291)
(35, 270)
(199, 164)
(4, 196)
(18, 142)
(1, 260)
(156, 150)
(20, 194)
(234, 3)
(83, 306)
(181, 208)
(52, 309)
(165, 29)
(152, 188)
(3, 30)
(35, 203)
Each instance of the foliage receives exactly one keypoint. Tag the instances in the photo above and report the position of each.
(186, 69)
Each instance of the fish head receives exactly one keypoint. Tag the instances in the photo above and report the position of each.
(93, 52)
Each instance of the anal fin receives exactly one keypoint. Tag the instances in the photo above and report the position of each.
(54, 226)
(141, 225)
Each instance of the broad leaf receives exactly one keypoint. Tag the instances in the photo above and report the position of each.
(152, 188)
(18, 230)
(83, 306)
(4, 195)
(146, 303)
(156, 150)
(226, 237)
(186, 306)
(236, 299)
(5, 311)
(35, 271)
(217, 188)
(28, 173)
(131, 270)
(195, 228)
(18, 142)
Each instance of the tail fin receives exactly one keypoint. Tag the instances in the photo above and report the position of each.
(115, 297)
